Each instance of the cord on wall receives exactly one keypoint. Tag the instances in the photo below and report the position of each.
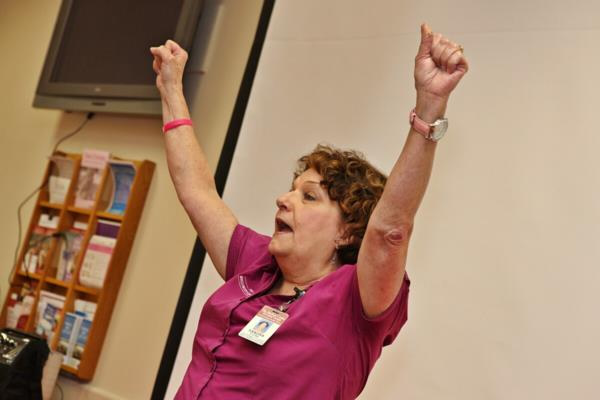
(88, 117)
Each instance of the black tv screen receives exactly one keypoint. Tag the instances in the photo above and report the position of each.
(99, 58)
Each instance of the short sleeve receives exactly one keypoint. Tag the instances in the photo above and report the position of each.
(384, 328)
(247, 249)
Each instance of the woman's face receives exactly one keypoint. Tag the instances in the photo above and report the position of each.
(307, 222)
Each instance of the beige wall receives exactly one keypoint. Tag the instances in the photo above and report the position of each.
(143, 312)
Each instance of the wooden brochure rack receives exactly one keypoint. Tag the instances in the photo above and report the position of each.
(47, 278)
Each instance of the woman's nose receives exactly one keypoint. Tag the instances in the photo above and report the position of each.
(282, 202)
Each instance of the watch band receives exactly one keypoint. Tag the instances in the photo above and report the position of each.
(419, 125)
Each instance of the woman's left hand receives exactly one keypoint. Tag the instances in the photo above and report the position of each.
(439, 65)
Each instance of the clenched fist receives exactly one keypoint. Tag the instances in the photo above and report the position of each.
(169, 63)
(439, 65)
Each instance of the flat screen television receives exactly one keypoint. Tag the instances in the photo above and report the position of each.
(99, 59)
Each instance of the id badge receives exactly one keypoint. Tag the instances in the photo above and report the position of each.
(263, 325)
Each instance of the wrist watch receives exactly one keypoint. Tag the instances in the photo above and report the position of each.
(433, 132)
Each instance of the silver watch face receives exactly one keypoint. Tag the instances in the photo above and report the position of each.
(438, 129)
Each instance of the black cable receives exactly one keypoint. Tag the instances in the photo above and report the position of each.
(89, 116)
(62, 395)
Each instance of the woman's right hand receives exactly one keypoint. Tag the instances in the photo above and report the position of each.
(189, 170)
(169, 63)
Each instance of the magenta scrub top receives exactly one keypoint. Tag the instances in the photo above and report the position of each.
(324, 350)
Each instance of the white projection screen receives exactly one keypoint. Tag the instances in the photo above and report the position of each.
(505, 255)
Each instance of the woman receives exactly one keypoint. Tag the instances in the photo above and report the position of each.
(331, 279)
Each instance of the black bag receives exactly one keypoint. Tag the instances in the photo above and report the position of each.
(21, 375)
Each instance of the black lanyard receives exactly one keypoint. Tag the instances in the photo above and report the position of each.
(299, 293)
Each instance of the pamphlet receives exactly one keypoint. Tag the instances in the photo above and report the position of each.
(59, 179)
(70, 246)
(49, 308)
(38, 248)
(68, 335)
(98, 254)
(93, 163)
(123, 174)
(81, 342)
(72, 338)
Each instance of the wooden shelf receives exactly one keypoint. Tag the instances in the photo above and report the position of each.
(70, 370)
(68, 216)
(57, 282)
(89, 290)
(31, 275)
(47, 204)
(105, 215)
(84, 211)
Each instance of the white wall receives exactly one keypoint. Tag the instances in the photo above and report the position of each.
(504, 257)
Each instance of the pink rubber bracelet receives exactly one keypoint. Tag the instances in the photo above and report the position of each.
(175, 123)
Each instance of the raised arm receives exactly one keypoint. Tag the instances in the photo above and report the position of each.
(188, 168)
(439, 66)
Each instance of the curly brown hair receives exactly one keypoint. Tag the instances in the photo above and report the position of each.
(354, 183)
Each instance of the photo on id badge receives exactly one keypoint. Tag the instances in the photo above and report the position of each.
(262, 326)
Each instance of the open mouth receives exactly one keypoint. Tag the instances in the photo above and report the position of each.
(281, 226)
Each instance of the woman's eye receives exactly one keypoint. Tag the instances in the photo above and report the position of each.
(309, 196)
